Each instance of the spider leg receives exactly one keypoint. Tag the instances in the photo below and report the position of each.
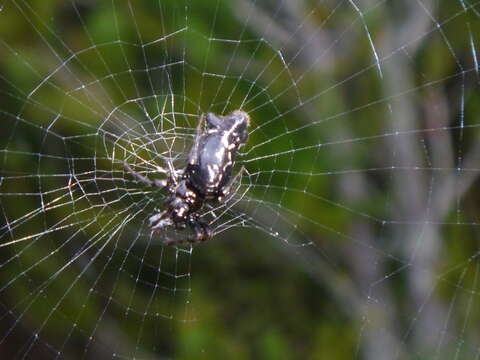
(198, 231)
(197, 227)
(160, 220)
(143, 179)
(207, 232)
(202, 232)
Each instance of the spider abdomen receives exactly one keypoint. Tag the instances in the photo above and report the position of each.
(210, 167)
(213, 166)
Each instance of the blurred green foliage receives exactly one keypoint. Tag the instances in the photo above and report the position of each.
(245, 294)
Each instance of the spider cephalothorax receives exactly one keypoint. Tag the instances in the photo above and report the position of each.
(207, 176)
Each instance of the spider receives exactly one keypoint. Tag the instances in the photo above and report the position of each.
(205, 179)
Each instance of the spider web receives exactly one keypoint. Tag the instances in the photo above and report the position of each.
(361, 164)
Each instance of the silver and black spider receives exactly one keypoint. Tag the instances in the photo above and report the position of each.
(206, 178)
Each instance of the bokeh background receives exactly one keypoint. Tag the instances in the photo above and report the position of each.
(353, 233)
